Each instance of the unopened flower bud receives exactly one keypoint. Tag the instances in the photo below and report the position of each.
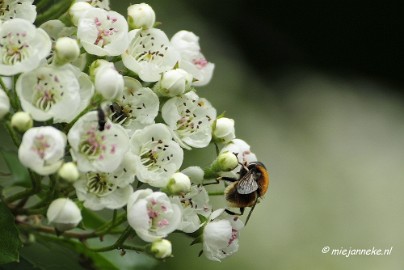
(77, 10)
(107, 80)
(179, 183)
(161, 248)
(195, 174)
(227, 161)
(67, 50)
(69, 172)
(174, 82)
(63, 214)
(224, 130)
(4, 104)
(141, 16)
(22, 121)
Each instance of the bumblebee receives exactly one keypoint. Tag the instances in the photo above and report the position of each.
(245, 191)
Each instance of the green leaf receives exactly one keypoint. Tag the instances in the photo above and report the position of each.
(19, 174)
(10, 243)
(49, 253)
(91, 220)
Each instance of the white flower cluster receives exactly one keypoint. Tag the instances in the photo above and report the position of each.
(106, 123)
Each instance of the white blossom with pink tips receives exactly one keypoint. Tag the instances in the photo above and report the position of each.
(103, 33)
(152, 215)
(42, 149)
(97, 146)
(220, 236)
(192, 60)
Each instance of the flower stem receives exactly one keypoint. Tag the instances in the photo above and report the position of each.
(216, 193)
(53, 182)
(36, 187)
(9, 92)
(136, 248)
(13, 135)
(51, 230)
(107, 227)
(41, 4)
(118, 244)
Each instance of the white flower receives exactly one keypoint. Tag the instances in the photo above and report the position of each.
(95, 149)
(22, 121)
(63, 214)
(149, 54)
(103, 33)
(152, 215)
(244, 155)
(179, 183)
(108, 82)
(107, 190)
(157, 156)
(42, 149)
(23, 9)
(174, 82)
(190, 117)
(135, 108)
(104, 4)
(161, 248)
(224, 130)
(220, 236)
(141, 16)
(192, 204)
(54, 92)
(69, 172)
(22, 46)
(4, 104)
(192, 60)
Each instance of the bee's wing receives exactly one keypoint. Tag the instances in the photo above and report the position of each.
(247, 184)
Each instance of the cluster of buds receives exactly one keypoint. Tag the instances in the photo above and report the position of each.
(115, 127)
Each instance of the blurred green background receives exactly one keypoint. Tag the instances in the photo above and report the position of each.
(315, 88)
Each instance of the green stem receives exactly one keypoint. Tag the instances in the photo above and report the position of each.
(106, 228)
(67, 234)
(118, 244)
(216, 193)
(53, 182)
(36, 187)
(135, 248)
(41, 4)
(3, 85)
(13, 134)
(54, 12)
(10, 95)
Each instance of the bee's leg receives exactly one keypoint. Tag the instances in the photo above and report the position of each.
(215, 182)
(234, 213)
(227, 179)
(252, 208)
